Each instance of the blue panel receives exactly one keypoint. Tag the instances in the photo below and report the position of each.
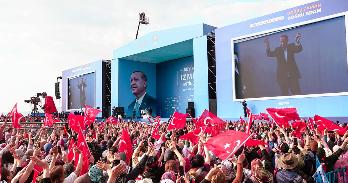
(162, 38)
(175, 85)
(330, 106)
(201, 95)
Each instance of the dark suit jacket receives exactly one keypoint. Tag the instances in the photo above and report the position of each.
(286, 66)
(147, 103)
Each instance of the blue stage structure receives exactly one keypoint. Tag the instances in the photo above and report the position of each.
(175, 63)
(247, 71)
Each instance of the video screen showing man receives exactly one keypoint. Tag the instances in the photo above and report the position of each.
(82, 87)
(288, 74)
(143, 102)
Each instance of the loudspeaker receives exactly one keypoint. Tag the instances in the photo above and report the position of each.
(191, 112)
(56, 89)
(190, 105)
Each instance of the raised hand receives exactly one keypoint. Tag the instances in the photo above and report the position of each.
(298, 38)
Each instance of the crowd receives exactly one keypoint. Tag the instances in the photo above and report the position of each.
(50, 154)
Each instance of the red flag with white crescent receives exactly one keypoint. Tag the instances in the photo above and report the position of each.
(323, 123)
(282, 116)
(82, 145)
(49, 120)
(155, 129)
(125, 144)
(76, 122)
(210, 123)
(15, 117)
(227, 143)
(112, 120)
(90, 115)
(250, 123)
(178, 121)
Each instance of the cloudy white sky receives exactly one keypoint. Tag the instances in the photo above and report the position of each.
(39, 39)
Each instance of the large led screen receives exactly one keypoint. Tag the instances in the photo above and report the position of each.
(303, 60)
(81, 91)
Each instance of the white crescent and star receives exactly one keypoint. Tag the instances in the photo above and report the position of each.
(206, 119)
(279, 116)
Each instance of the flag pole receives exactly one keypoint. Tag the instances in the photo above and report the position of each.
(237, 149)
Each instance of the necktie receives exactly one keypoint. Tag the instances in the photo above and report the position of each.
(136, 107)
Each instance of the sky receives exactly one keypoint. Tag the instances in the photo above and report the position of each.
(39, 39)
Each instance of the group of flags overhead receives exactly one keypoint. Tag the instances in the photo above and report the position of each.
(222, 143)
(225, 143)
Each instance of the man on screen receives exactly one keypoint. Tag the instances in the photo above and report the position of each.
(288, 74)
(82, 87)
(143, 102)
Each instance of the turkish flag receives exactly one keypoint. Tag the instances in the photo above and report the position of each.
(299, 128)
(37, 171)
(155, 129)
(82, 145)
(210, 123)
(241, 120)
(112, 120)
(264, 116)
(311, 123)
(76, 122)
(193, 136)
(282, 116)
(323, 123)
(15, 116)
(49, 120)
(71, 150)
(227, 143)
(126, 145)
(256, 116)
(49, 106)
(250, 123)
(90, 115)
(253, 143)
(178, 121)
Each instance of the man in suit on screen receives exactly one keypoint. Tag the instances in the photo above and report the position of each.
(143, 102)
(82, 87)
(288, 74)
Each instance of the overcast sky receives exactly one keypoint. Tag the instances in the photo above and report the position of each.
(39, 39)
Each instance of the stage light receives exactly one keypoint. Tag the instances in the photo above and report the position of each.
(142, 20)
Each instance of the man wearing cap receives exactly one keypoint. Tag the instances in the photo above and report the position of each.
(288, 163)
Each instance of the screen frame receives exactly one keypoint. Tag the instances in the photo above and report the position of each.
(247, 37)
(77, 76)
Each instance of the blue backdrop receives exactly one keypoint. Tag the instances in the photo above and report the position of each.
(175, 85)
